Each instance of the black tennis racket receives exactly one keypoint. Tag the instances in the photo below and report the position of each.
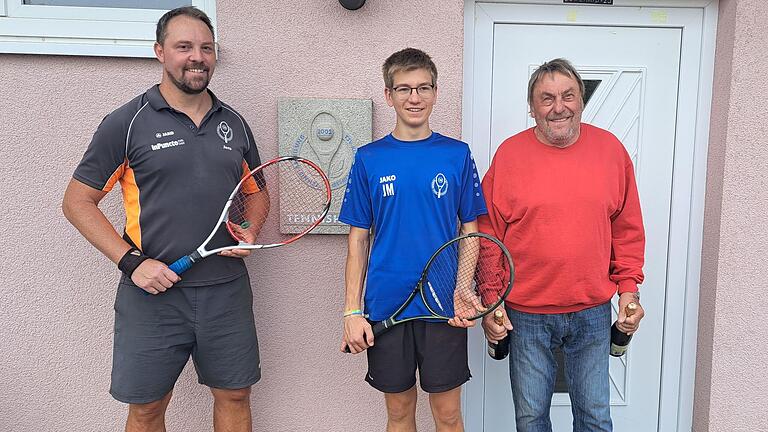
(305, 197)
(451, 282)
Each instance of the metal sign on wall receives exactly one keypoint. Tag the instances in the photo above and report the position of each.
(328, 132)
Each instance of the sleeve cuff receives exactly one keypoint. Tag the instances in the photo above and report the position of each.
(355, 223)
(627, 285)
(489, 295)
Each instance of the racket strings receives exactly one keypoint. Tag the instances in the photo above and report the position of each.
(250, 207)
(304, 196)
(453, 281)
(294, 188)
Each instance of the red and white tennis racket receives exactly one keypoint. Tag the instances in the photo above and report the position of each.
(305, 197)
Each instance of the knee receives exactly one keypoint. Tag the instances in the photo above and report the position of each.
(232, 395)
(148, 412)
(446, 415)
(531, 410)
(401, 410)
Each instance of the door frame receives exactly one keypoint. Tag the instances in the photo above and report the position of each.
(688, 183)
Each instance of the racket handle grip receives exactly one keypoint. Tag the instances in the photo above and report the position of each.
(346, 349)
(181, 265)
(378, 328)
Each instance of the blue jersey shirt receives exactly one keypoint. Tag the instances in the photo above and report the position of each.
(414, 194)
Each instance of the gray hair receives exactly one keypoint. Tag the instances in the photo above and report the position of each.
(559, 65)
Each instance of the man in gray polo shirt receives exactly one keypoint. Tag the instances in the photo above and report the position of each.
(177, 152)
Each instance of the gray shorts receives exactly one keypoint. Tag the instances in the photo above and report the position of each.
(156, 334)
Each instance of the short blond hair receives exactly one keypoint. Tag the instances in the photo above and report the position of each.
(407, 60)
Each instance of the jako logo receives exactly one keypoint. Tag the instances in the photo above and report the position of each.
(387, 185)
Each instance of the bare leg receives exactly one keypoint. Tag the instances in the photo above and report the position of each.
(401, 411)
(148, 417)
(231, 410)
(446, 410)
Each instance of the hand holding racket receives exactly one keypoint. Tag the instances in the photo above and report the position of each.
(449, 283)
(302, 185)
(249, 234)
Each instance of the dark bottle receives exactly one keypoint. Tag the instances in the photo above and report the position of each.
(619, 339)
(499, 350)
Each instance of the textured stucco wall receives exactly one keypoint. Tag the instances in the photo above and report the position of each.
(56, 308)
(731, 377)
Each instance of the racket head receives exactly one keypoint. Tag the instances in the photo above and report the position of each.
(298, 182)
(454, 276)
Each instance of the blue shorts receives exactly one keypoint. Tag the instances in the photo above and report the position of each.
(156, 334)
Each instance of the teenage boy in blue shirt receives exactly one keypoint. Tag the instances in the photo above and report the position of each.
(416, 189)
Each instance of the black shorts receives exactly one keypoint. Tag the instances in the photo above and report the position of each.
(156, 334)
(438, 350)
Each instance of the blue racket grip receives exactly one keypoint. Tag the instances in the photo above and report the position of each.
(182, 264)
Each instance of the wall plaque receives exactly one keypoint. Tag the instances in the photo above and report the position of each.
(328, 132)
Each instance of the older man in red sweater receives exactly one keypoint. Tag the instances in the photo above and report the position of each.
(562, 197)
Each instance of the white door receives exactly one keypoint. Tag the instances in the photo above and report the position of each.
(632, 78)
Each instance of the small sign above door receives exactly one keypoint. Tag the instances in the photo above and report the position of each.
(599, 2)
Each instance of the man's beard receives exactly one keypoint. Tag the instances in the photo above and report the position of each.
(185, 86)
(561, 137)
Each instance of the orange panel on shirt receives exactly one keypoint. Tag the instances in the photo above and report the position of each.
(249, 186)
(132, 206)
(115, 177)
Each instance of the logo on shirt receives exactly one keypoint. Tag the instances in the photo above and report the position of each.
(439, 185)
(169, 144)
(224, 132)
(159, 135)
(388, 185)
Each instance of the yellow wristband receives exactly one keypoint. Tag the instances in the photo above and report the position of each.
(352, 312)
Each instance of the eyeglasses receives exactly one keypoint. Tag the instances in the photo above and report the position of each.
(425, 91)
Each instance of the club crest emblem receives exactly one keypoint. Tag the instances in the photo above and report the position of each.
(224, 132)
(439, 185)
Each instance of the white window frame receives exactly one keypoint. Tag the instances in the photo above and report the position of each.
(85, 31)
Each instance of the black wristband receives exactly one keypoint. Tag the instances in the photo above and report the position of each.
(130, 261)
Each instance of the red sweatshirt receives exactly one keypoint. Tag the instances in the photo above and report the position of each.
(570, 218)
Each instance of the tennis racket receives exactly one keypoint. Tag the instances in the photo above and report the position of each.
(451, 280)
(305, 197)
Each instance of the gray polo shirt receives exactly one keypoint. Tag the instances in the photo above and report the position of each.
(175, 177)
